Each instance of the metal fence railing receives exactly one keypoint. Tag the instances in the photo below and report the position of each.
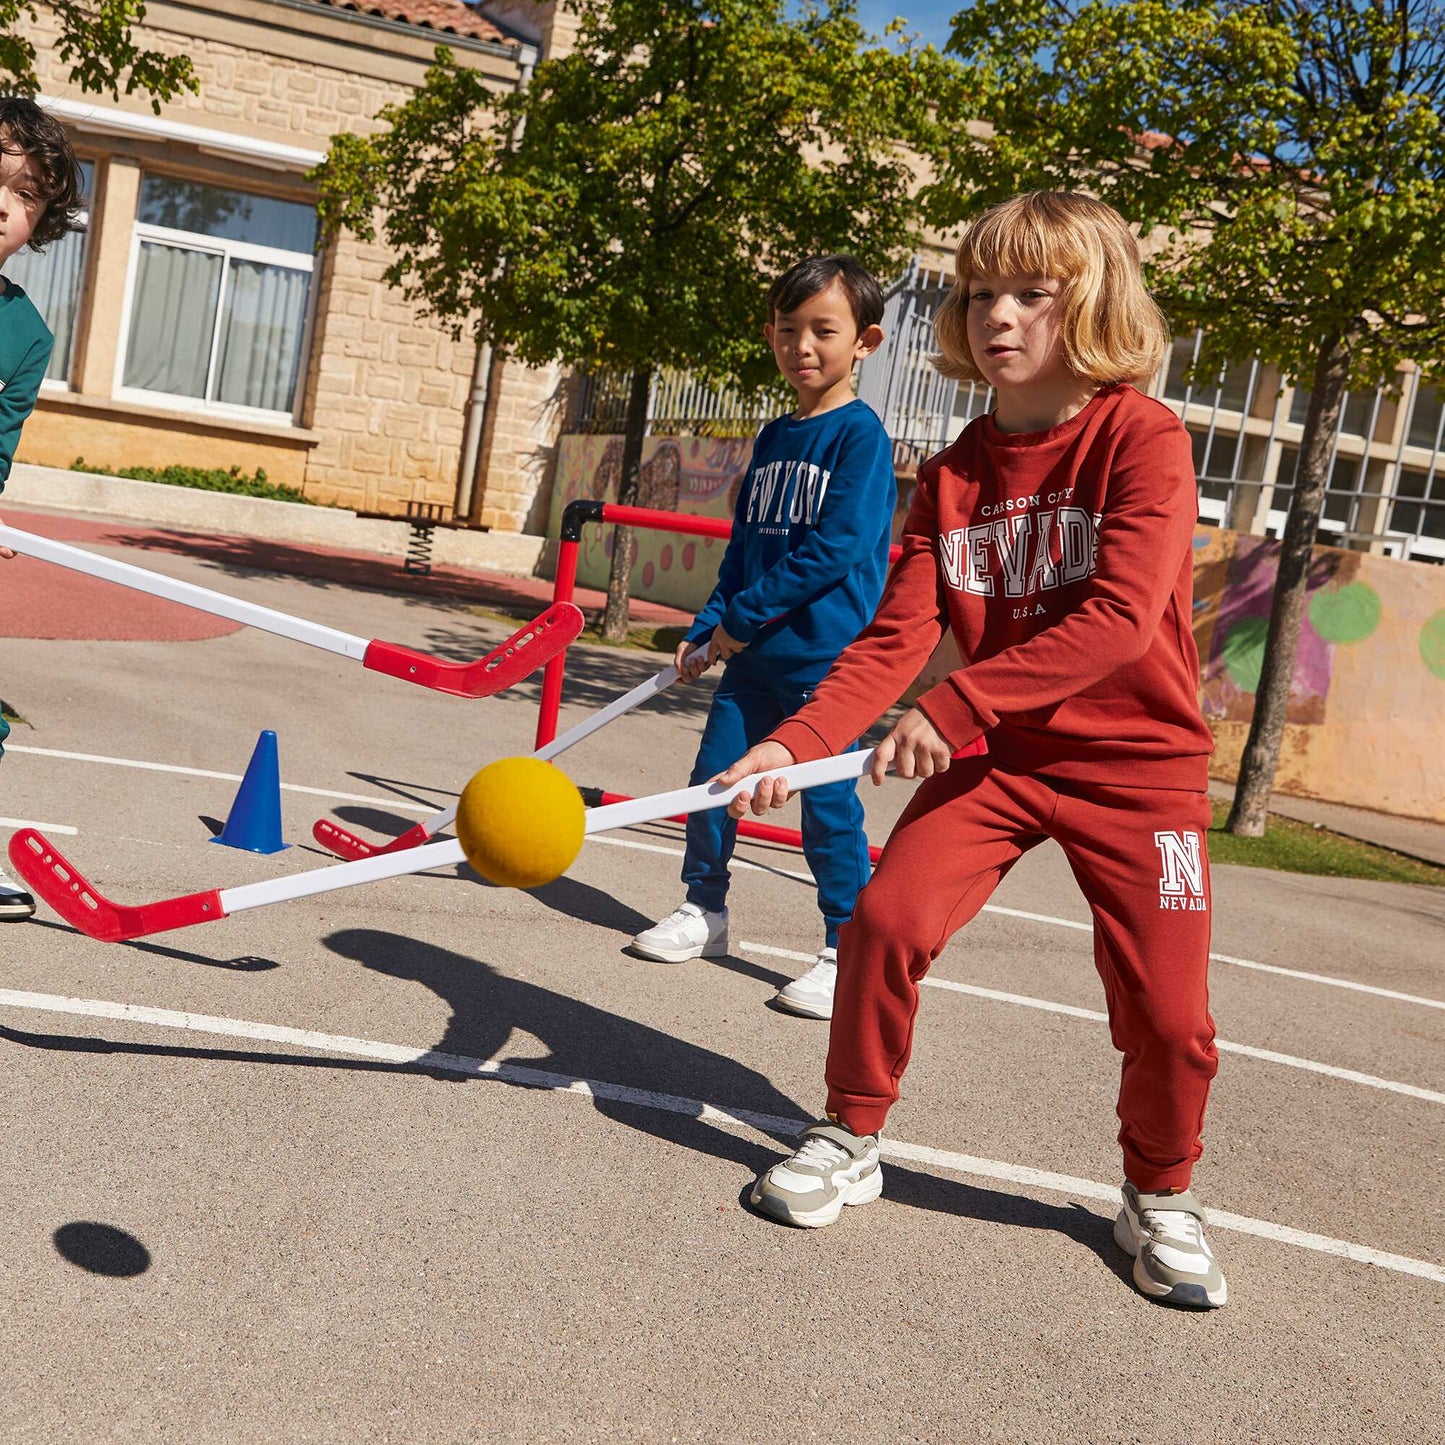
(1387, 468)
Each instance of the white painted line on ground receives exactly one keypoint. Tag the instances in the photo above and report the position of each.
(994, 1169)
(1325, 978)
(1238, 962)
(1218, 1219)
(43, 827)
(397, 803)
(1353, 1076)
(1089, 928)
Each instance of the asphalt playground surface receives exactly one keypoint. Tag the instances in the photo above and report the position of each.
(431, 1160)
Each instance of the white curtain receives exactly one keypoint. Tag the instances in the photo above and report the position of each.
(172, 320)
(261, 336)
(52, 281)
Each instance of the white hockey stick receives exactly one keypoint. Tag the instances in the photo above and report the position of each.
(347, 845)
(520, 655)
(58, 882)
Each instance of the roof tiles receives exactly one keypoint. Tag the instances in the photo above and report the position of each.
(449, 16)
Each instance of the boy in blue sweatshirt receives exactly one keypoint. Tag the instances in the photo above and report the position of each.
(39, 201)
(800, 579)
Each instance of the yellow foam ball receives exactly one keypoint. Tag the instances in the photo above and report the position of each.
(521, 822)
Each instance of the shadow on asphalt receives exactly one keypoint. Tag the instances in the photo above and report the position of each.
(590, 1043)
(582, 1041)
(102, 1249)
(586, 1042)
(237, 556)
(586, 904)
(243, 963)
(944, 1195)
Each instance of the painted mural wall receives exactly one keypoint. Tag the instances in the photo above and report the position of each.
(1367, 704)
(679, 474)
(1366, 724)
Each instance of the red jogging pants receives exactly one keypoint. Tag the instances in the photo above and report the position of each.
(1139, 857)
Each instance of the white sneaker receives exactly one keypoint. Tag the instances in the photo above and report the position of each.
(1172, 1260)
(811, 996)
(16, 904)
(830, 1168)
(686, 932)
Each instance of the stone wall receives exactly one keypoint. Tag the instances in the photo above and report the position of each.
(384, 401)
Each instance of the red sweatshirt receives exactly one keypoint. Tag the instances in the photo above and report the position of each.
(1063, 562)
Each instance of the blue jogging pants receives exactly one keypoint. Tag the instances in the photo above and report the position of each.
(745, 709)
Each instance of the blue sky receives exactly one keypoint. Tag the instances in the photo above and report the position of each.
(930, 18)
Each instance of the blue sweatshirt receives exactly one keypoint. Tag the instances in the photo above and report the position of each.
(808, 556)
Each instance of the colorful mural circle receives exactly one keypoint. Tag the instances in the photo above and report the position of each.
(667, 558)
(1243, 652)
(1432, 643)
(1346, 614)
(689, 556)
(649, 575)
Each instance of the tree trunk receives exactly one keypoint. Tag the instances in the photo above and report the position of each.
(1257, 767)
(619, 582)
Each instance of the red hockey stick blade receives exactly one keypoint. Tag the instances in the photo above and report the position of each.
(41, 864)
(522, 653)
(349, 846)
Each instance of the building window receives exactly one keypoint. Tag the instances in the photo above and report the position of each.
(52, 280)
(219, 286)
(1357, 410)
(1419, 503)
(1426, 418)
(1231, 390)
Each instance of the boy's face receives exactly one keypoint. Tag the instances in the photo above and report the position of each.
(1013, 330)
(816, 345)
(22, 201)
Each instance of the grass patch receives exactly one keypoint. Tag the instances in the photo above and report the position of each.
(641, 636)
(204, 479)
(1295, 847)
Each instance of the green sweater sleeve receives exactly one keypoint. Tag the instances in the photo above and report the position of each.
(25, 347)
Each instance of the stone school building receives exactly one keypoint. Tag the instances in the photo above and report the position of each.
(197, 320)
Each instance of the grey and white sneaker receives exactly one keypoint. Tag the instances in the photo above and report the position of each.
(811, 995)
(1172, 1260)
(831, 1168)
(686, 932)
(16, 904)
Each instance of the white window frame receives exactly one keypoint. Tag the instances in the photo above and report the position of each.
(228, 251)
(58, 384)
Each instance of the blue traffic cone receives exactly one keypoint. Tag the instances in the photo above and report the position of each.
(255, 819)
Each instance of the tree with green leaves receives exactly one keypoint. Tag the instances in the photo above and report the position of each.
(97, 41)
(627, 210)
(1289, 154)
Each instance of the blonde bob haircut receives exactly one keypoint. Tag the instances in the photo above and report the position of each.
(1111, 329)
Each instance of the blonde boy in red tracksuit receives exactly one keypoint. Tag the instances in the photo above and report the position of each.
(1054, 538)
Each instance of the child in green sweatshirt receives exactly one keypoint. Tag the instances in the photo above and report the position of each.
(39, 202)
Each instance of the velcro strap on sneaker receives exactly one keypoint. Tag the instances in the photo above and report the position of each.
(852, 1143)
(1184, 1203)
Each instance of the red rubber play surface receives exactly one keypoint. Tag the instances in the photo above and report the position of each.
(41, 600)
